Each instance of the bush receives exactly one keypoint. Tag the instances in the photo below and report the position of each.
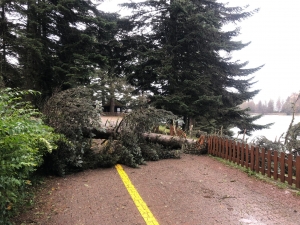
(24, 139)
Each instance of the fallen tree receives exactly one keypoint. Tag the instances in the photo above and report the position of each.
(131, 142)
(134, 132)
(166, 140)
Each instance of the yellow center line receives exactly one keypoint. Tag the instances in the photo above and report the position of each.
(137, 199)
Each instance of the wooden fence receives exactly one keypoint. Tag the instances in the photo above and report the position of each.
(274, 164)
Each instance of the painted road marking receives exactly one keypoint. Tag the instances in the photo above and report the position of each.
(137, 199)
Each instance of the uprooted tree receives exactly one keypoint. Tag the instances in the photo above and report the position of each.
(74, 114)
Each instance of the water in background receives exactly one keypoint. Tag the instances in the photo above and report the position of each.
(281, 124)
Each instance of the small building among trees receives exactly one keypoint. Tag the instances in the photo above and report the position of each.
(113, 107)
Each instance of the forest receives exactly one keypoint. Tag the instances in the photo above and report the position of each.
(62, 60)
(280, 106)
(173, 53)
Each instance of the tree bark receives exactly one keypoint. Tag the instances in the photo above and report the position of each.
(165, 140)
(168, 140)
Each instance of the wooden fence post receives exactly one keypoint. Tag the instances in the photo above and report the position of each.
(269, 163)
(263, 160)
(230, 149)
(233, 151)
(220, 147)
(223, 148)
(238, 153)
(275, 174)
(247, 156)
(213, 145)
(282, 167)
(298, 172)
(290, 169)
(226, 149)
(257, 159)
(243, 155)
(217, 146)
(252, 158)
(208, 145)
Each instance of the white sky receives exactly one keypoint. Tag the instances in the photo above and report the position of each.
(274, 33)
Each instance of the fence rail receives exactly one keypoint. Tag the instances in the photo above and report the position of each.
(274, 164)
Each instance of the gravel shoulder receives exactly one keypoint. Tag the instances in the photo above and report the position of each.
(110, 121)
(193, 190)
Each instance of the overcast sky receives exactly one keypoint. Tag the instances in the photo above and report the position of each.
(274, 33)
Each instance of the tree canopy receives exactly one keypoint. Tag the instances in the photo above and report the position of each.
(180, 60)
(175, 51)
(50, 45)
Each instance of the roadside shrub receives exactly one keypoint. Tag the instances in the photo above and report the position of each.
(24, 139)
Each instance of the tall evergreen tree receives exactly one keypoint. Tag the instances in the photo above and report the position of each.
(110, 80)
(180, 61)
(270, 106)
(56, 44)
(9, 71)
(278, 105)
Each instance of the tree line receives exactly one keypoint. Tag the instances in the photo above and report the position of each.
(280, 106)
(171, 51)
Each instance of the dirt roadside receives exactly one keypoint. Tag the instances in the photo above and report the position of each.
(193, 190)
(110, 121)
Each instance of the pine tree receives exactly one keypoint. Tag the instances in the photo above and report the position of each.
(9, 72)
(278, 105)
(77, 50)
(56, 44)
(109, 82)
(270, 107)
(180, 62)
(109, 87)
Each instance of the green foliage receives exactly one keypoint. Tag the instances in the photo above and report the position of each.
(110, 154)
(56, 43)
(292, 139)
(180, 61)
(24, 139)
(144, 119)
(74, 114)
(247, 123)
(263, 142)
(128, 146)
(151, 151)
(132, 154)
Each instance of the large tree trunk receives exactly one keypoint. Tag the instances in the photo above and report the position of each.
(112, 105)
(3, 37)
(166, 140)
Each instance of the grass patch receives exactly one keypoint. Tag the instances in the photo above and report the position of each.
(259, 176)
(164, 129)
